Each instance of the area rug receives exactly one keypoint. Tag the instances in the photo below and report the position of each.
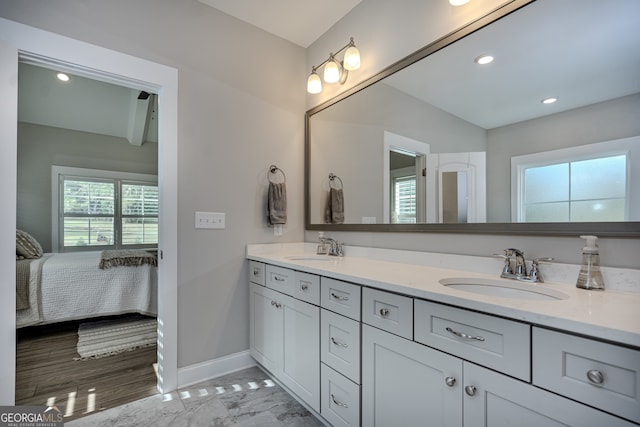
(108, 337)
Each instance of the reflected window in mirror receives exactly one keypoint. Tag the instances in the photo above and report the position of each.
(589, 183)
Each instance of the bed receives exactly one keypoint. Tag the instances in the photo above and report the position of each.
(70, 286)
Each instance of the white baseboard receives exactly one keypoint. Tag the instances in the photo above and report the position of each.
(203, 371)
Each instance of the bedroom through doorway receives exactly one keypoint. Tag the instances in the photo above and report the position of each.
(87, 212)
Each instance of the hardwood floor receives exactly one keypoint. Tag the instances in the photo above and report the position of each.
(46, 372)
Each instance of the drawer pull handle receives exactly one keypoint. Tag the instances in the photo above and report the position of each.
(465, 336)
(338, 343)
(278, 279)
(337, 402)
(339, 298)
(384, 312)
(595, 376)
(450, 381)
(276, 304)
(470, 390)
(256, 271)
(304, 287)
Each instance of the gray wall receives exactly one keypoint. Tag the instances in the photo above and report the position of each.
(348, 140)
(40, 147)
(240, 108)
(600, 122)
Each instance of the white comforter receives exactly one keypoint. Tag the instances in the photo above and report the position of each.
(70, 286)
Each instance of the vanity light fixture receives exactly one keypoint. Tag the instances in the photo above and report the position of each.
(458, 2)
(550, 100)
(62, 77)
(483, 59)
(334, 70)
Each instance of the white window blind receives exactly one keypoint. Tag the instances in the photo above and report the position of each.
(404, 193)
(103, 209)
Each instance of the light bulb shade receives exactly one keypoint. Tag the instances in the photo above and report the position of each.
(314, 85)
(352, 58)
(332, 72)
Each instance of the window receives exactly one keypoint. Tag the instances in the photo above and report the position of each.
(103, 209)
(580, 184)
(404, 199)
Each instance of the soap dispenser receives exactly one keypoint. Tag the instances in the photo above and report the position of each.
(590, 276)
(321, 249)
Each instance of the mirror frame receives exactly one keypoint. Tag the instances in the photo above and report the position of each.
(602, 229)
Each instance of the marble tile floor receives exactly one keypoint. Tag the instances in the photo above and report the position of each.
(247, 398)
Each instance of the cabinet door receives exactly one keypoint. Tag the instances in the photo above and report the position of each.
(408, 384)
(301, 350)
(500, 401)
(265, 327)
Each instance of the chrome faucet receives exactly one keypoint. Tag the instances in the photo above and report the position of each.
(517, 270)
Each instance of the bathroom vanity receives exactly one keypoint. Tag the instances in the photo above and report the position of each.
(382, 339)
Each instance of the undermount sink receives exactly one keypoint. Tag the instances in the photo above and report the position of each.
(310, 258)
(504, 289)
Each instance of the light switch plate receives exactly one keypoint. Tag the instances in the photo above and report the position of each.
(213, 220)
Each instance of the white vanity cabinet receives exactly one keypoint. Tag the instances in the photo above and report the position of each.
(284, 338)
(340, 352)
(495, 400)
(417, 385)
(408, 384)
(362, 356)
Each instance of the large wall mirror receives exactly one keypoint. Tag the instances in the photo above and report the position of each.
(439, 142)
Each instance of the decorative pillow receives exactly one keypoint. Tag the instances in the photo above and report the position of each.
(27, 246)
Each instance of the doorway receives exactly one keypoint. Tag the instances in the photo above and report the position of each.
(21, 41)
(87, 188)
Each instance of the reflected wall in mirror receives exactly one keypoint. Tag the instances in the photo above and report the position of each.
(492, 120)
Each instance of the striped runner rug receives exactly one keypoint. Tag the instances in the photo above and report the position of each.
(108, 337)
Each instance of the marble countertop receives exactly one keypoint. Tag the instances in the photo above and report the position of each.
(609, 315)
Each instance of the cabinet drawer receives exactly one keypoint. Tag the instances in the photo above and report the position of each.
(500, 344)
(390, 312)
(281, 279)
(256, 272)
(340, 402)
(307, 287)
(340, 344)
(599, 374)
(340, 297)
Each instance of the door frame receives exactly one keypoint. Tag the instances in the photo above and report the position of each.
(50, 49)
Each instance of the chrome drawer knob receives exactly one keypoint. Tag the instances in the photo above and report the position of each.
(595, 377)
(470, 390)
(384, 312)
(256, 271)
(304, 287)
(276, 304)
(450, 381)
(278, 279)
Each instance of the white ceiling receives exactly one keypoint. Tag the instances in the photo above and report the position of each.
(84, 105)
(581, 52)
(299, 21)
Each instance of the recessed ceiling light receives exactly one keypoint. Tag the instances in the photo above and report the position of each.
(63, 77)
(483, 59)
(458, 2)
(550, 100)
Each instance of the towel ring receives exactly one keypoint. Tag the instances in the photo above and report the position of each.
(332, 178)
(273, 170)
